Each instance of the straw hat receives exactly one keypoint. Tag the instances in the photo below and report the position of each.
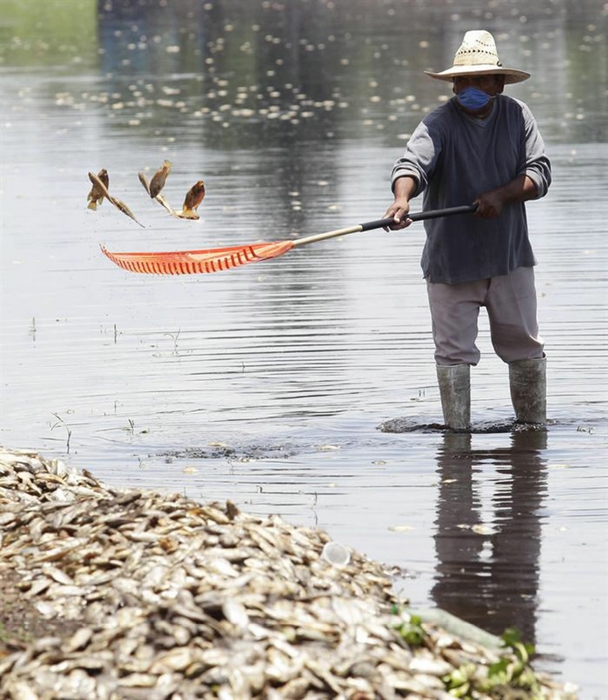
(477, 55)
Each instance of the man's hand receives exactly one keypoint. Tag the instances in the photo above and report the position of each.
(398, 211)
(404, 189)
(489, 205)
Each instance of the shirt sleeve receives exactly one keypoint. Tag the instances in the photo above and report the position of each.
(538, 165)
(420, 157)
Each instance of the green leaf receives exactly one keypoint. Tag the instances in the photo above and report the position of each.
(412, 631)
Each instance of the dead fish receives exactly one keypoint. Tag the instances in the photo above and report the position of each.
(119, 204)
(194, 197)
(159, 197)
(100, 186)
(144, 181)
(159, 178)
(96, 195)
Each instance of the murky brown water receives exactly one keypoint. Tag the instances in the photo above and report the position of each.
(267, 384)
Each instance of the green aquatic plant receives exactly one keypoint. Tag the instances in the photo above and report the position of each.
(460, 682)
(410, 629)
(511, 677)
(514, 670)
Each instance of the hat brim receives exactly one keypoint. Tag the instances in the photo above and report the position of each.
(512, 75)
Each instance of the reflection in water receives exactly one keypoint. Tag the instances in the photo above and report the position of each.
(278, 73)
(150, 37)
(486, 573)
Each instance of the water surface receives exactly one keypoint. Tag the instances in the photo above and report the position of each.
(268, 384)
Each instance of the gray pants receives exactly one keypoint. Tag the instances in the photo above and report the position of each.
(510, 301)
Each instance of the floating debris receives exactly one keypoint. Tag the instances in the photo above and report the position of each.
(114, 593)
(336, 554)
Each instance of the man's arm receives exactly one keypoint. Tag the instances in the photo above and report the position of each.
(490, 204)
(404, 188)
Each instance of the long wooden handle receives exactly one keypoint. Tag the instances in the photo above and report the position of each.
(381, 223)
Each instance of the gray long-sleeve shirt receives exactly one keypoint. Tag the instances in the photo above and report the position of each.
(455, 158)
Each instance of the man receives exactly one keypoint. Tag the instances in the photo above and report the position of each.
(485, 148)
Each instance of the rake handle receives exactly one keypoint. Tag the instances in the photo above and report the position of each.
(383, 223)
(420, 216)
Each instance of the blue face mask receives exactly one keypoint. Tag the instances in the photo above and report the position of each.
(473, 98)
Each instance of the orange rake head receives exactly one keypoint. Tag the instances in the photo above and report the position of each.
(188, 262)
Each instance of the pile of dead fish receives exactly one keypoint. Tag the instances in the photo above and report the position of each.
(155, 596)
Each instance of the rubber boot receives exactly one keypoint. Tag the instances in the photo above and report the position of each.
(455, 391)
(528, 382)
